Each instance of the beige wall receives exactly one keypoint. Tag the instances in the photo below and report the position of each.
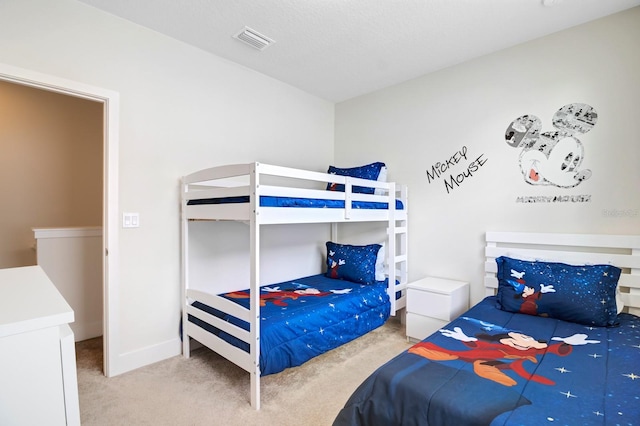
(415, 125)
(50, 166)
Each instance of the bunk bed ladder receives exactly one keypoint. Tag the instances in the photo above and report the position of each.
(397, 250)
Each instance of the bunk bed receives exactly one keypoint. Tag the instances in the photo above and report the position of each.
(241, 321)
(575, 359)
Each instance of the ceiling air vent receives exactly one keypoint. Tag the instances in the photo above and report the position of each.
(254, 38)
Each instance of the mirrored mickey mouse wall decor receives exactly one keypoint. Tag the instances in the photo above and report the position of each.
(553, 157)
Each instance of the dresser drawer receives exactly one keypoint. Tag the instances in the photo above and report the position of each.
(439, 298)
(431, 304)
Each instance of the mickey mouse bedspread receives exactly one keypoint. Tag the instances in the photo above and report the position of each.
(491, 367)
(304, 318)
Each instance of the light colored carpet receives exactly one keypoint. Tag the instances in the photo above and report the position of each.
(209, 390)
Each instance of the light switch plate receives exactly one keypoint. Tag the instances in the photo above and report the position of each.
(130, 220)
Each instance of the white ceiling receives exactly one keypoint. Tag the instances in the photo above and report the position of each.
(339, 49)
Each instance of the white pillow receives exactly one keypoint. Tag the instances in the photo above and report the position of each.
(382, 177)
(380, 272)
(619, 301)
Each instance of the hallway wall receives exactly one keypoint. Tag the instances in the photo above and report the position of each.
(50, 167)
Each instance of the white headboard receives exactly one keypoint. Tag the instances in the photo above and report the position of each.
(622, 251)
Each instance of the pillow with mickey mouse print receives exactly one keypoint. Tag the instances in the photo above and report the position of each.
(352, 263)
(584, 294)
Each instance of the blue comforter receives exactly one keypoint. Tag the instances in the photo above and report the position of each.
(491, 367)
(304, 318)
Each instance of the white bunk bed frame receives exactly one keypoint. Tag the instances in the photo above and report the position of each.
(622, 251)
(251, 180)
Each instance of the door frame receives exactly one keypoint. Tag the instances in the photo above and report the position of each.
(110, 217)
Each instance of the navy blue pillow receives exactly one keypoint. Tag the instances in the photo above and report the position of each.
(582, 294)
(369, 171)
(352, 263)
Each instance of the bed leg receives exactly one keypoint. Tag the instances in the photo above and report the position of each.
(186, 347)
(403, 316)
(186, 340)
(255, 391)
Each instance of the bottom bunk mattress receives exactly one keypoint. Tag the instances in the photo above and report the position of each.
(491, 367)
(304, 318)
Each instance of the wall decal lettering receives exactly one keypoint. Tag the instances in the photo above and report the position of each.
(440, 169)
(554, 199)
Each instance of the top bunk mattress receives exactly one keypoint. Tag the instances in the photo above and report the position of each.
(270, 201)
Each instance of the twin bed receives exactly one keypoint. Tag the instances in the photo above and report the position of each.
(549, 344)
(265, 328)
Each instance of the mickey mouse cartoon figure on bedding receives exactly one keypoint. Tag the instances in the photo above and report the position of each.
(553, 157)
(493, 354)
(528, 294)
(333, 265)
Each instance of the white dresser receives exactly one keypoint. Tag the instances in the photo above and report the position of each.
(432, 303)
(38, 384)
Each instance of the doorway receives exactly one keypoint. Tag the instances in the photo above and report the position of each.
(110, 102)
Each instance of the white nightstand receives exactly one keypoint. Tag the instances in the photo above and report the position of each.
(432, 303)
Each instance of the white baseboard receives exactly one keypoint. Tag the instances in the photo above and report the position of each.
(85, 331)
(151, 354)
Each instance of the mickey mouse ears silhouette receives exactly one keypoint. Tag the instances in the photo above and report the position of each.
(524, 131)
